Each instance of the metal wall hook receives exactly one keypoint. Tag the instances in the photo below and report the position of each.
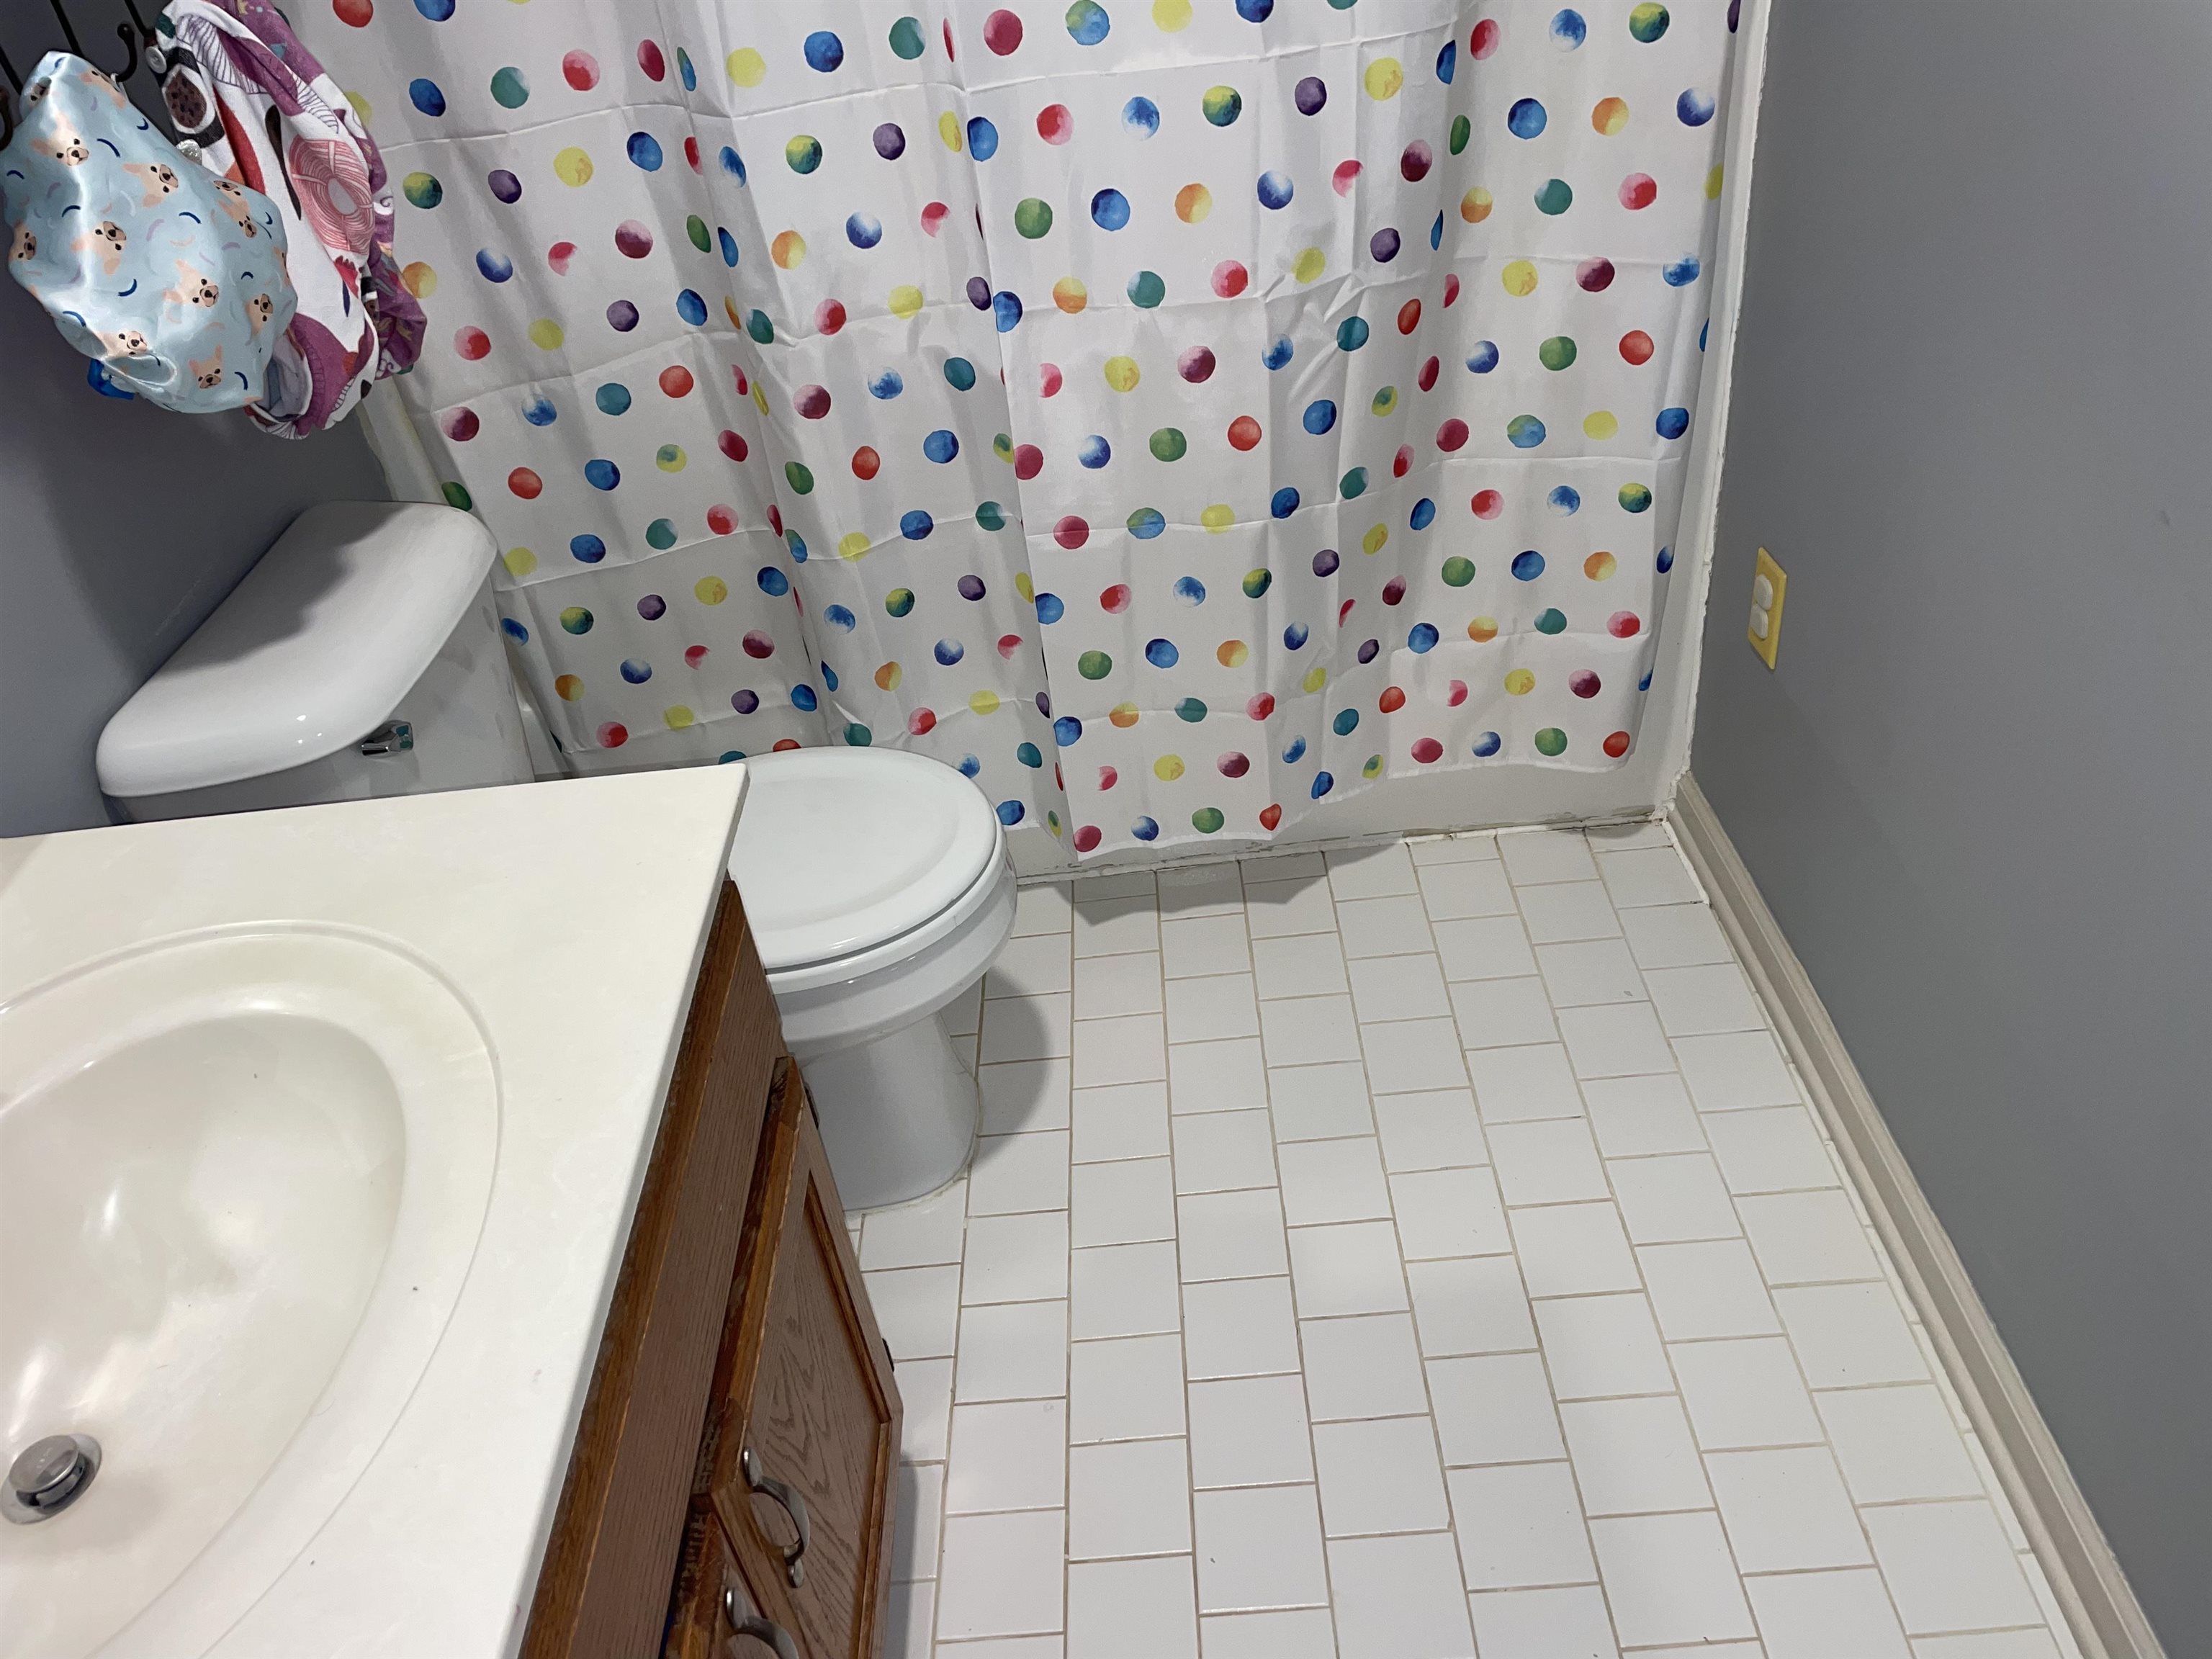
(148, 41)
(8, 100)
(123, 31)
(134, 35)
(69, 29)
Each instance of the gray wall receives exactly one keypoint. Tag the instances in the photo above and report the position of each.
(1973, 419)
(121, 527)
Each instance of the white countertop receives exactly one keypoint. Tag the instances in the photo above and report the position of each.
(573, 916)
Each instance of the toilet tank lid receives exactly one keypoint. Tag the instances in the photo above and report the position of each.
(312, 650)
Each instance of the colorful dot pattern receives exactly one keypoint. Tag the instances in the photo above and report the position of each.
(1176, 415)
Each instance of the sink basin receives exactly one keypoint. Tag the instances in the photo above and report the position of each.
(242, 1175)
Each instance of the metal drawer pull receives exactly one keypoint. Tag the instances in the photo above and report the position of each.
(759, 1626)
(795, 1567)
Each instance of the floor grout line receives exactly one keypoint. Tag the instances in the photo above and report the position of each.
(1543, 1358)
(1378, 1024)
(1406, 1280)
(1290, 1274)
(1182, 1319)
(1798, 1362)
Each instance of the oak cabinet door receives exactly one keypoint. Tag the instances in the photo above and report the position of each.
(805, 1467)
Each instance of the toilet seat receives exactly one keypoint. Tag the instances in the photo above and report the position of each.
(914, 942)
(878, 887)
(855, 853)
(857, 1000)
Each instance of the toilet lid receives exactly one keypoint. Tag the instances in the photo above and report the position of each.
(841, 850)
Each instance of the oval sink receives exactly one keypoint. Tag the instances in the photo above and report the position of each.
(242, 1175)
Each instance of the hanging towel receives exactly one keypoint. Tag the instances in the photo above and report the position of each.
(399, 318)
(265, 113)
(172, 281)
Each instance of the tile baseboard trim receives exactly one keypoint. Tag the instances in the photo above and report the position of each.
(2099, 1604)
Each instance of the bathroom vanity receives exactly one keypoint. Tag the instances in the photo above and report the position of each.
(742, 1404)
(413, 1200)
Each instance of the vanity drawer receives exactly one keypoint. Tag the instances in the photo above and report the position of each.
(714, 1598)
(802, 1465)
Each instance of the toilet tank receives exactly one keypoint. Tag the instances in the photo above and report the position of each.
(359, 656)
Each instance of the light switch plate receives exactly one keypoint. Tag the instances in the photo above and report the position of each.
(1768, 583)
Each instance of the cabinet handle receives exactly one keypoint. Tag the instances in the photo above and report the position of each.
(743, 1621)
(794, 1565)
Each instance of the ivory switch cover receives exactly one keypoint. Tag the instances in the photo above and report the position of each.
(1767, 584)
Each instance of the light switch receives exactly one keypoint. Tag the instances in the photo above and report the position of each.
(1768, 585)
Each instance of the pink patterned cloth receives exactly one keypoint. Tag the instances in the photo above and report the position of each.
(240, 84)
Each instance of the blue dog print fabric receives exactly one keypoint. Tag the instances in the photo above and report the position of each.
(172, 279)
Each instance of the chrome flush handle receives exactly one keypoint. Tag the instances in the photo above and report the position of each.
(745, 1621)
(795, 1567)
(394, 737)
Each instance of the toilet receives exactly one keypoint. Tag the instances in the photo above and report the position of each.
(361, 656)
(879, 890)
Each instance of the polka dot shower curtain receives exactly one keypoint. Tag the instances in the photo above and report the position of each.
(1180, 415)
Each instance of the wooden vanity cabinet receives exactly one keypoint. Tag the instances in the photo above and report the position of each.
(741, 1382)
(804, 1417)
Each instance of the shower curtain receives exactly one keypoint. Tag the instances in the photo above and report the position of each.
(1178, 414)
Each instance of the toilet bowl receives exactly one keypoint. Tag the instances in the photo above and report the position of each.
(879, 890)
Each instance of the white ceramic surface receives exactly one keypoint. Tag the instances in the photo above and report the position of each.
(845, 849)
(858, 999)
(898, 1114)
(333, 1460)
(241, 1177)
(466, 723)
(311, 650)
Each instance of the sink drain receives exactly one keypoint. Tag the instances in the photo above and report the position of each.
(49, 1475)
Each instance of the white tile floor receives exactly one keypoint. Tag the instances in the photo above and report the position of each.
(1416, 1252)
